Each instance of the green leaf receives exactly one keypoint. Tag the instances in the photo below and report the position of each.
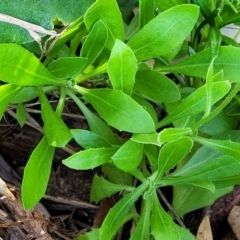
(95, 42)
(20, 67)
(109, 13)
(37, 173)
(148, 138)
(142, 230)
(7, 92)
(146, 11)
(114, 219)
(187, 198)
(122, 67)
(67, 67)
(215, 39)
(101, 188)
(90, 158)
(162, 224)
(21, 114)
(222, 167)
(197, 64)
(156, 87)
(42, 14)
(129, 156)
(161, 35)
(119, 110)
(196, 102)
(87, 139)
(172, 153)
(92, 235)
(170, 134)
(225, 146)
(55, 130)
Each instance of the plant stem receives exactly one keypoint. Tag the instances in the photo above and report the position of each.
(217, 110)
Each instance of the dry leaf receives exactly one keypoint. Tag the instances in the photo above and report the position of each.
(204, 230)
(4, 191)
(234, 221)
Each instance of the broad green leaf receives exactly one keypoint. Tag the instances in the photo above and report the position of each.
(21, 114)
(170, 134)
(119, 110)
(20, 67)
(163, 226)
(196, 102)
(220, 168)
(37, 173)
(233, 18)
(148, 138)
(67, 67)
(187, 198)
(96, 124)
(215, 39)
(197, 64)
(146, 11)
(55, 130)
(114, 219)
(172, 153)
(184, 233)
(7, 92)
(116, 175)
(87, 139)
(122, 67)
(156, 87)
(109, 13)
(90, 158)
(42, 14)
(101, 188)
(129, 156)
(92, 235)
(163, 5)
(95, 42)
(225, 146)
(142, 230)
(161, 35)
(147, 106)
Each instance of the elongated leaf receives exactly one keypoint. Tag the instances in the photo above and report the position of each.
(225, 146)
(197, 64)
(67, 67)
(96, 124)
(161, 35)
(187, 199)
(142, 231)
(90, 158)
(146, 11)
(128, 156)
(101, 188)
(20, 67)
(55, 130)
(196, 102)
(122, 67)
(7, 92)
(156, 87)
(170, 134)
(220, 168)
(148, 138)
(109, 13)
(162, 224)
(119, 110)
(37, 173)
(172, 153)
(95, 42)
(88, 139)
(114, 218)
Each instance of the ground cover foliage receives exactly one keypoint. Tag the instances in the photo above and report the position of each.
(170, 57)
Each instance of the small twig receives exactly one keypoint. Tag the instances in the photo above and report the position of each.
(178, 219)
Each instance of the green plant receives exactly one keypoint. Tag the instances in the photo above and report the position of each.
(194, 148)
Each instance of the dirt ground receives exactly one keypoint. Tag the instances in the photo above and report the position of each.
(66, 209)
